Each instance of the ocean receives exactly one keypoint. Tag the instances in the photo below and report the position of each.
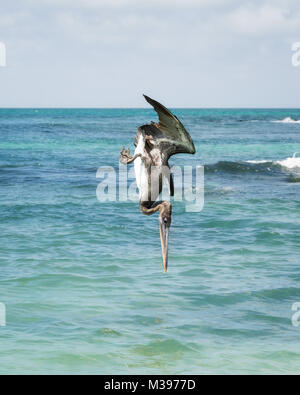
(82, 280)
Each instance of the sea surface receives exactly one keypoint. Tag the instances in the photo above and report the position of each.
(82, 280)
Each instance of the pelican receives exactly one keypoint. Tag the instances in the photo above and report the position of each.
(155, 143)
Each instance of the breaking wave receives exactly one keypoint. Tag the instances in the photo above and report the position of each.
(290, 165)
(287, 120)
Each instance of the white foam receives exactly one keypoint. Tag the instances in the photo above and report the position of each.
(258, 161)
(290, 163)
(287, 120)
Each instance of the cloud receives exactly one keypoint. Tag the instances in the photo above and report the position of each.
(199, 47)
(264, 20)
(113, 4)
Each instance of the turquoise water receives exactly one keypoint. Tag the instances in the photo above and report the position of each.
(82, 281)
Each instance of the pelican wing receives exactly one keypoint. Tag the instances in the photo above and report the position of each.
(169, 134)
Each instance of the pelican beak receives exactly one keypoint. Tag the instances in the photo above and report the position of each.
(164, 237)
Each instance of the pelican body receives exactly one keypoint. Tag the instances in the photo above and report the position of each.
(155, 143)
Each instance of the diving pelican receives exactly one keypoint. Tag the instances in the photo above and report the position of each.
(155, 143)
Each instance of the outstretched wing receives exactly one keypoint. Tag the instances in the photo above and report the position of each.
(169, 134)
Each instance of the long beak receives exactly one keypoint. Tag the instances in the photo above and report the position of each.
(164, 237)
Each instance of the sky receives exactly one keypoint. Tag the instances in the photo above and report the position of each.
(184, 53)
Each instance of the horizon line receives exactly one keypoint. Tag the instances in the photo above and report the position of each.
(145, 108)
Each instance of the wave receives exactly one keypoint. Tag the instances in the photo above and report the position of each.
(287, 120)
(241, 167)
(290, 163)
(267, 166)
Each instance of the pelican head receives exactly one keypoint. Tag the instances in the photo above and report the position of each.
(164, 219)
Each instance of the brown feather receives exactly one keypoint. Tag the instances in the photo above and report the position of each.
(169, 134)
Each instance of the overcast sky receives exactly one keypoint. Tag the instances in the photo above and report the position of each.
(185, 53)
